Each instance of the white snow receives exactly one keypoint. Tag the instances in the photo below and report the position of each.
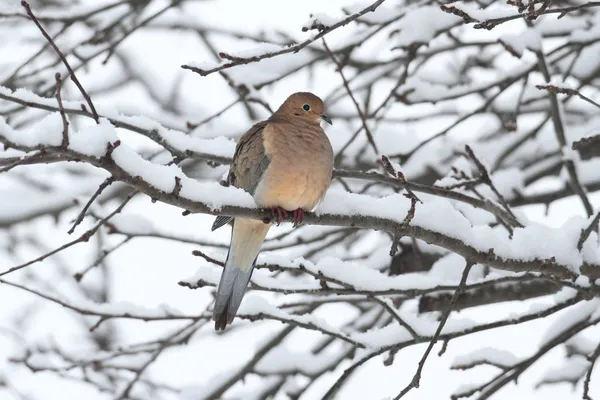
(550, 24)
(579, 313)
(487, 355)
(320, 20)
(282, 359)
(257, 51)
(218, 146)
(493, 11)
(420, 90)
(421, 25)
(570, 370)
(92, 135)
(253, 305)
(587, 34)
(46, 132)
(582, 344)
(162, 177)
(126, 308)
(529, 39)
(129, 222)
(93, 139)
(382, 14)
(508, 180)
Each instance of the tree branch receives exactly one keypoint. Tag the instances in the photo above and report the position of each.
(546, 266)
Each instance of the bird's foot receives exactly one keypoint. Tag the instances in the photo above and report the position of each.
(281, 214)
(298, 216)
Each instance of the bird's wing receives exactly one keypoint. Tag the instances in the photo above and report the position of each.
(248, 165)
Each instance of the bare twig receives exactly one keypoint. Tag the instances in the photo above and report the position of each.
(63, 115)
(487, 179)
(208, 258)
(25, 160)
(480, 328)
(361, 114)
(81, 215)
(415, 382)
(83, 238)
(140, 24)
(290, 49)
(396, 316)
(63, 59)
(79, 275)
(568, 91)
(493, 22)
(561, 138)
(585, 233)
(409, 194)
(588, 376)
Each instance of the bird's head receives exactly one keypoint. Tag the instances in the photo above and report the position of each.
(304, 106)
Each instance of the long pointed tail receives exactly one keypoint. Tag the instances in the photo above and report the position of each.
(246, 238)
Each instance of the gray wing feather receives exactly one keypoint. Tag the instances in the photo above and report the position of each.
(220, 221)
(249, 164)
(257, 172)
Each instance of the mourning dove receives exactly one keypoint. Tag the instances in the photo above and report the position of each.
(286, 164)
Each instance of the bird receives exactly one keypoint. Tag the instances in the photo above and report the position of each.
(286, 163)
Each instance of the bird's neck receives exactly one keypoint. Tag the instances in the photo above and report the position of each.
(298, 123)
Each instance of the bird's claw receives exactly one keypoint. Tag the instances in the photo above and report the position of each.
(298, 216)
(281, 214)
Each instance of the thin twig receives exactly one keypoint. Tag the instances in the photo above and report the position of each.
(585, 233)
(63, 59)
(63, 115)
(384, 303)
(485, 176)
(127, 33)
(409, 194)
(588, 376)
(417, 376)
(81, 215)
(79, 275)
(340, 69)
(561, 138)
(29, 159)
(83, 238)
(568, 91)
(479, 328)
(208, 258)
(290, 49)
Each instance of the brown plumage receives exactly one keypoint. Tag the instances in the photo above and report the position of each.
(286, 163)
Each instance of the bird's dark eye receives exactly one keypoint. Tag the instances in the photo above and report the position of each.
(306, 107)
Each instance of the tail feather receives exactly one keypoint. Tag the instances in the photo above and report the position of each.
(232, 288)
(246, 238)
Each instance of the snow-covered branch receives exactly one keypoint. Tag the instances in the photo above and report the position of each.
(339, 209)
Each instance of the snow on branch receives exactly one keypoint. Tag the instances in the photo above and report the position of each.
(270, 51)
(435, 222)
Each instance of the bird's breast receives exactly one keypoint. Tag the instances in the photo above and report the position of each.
(298, 175)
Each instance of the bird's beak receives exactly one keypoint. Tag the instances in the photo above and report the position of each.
(326, 119)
